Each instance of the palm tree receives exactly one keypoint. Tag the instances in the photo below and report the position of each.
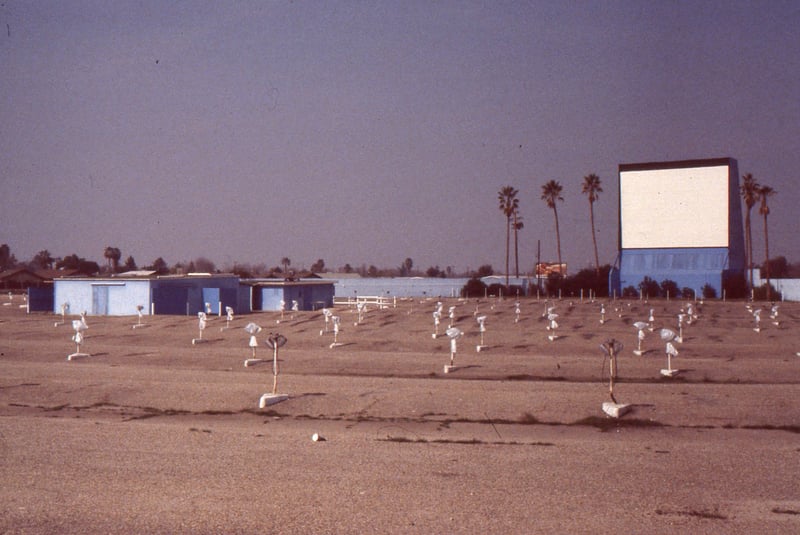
(509, 204)
(116, 254)
(591, 187)
(108, 253)
(749, 191)
(551, 194)
(764, 192)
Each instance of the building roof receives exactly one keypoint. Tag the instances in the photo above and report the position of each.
(137, 273)
(286, 282)
(342, 275)
(51, 274)
(20, 272)
(151, 275)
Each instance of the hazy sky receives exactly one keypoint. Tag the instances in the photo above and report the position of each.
(367, 132)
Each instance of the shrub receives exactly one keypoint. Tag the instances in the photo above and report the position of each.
(498, 289)
(586, 280)
(649, 287)
(734, 285)
(554, 283)
(669, 288)
(760, 293)
(514, 290)
(709, 292)
(474, 288)
(630, 291)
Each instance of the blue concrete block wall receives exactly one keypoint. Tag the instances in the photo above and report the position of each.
(689, 268)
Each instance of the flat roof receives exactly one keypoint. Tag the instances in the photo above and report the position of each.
(150, 275)
(676, 164)
(283, 282)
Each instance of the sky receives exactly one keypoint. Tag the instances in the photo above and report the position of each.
(364, 133)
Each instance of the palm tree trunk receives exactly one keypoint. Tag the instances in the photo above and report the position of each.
(594, 239)
(766, 250)
(516, 248)
(508, 244)
(748, 246)
(558, 240)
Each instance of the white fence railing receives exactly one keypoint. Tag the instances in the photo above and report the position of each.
(380, 302)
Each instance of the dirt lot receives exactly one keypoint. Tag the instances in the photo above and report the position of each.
(152, 433)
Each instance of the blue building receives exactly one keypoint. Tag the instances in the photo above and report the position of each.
(680, 221)
(267, 294)
(120, 295)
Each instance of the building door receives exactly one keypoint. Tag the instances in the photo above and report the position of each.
(99, 300)
(211, 298)
(256, 298)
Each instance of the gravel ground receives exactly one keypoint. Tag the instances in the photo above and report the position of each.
(152, 434)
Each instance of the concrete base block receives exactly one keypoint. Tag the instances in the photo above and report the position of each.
(271, 399)
(449, 369)
(615, 410)
(481, 348)
(140, 325)
(78, 356)
(252, 362)
(196, 341)
(434, 336)
(670, 373)
(553, 337)
(638, 353)
(336, 344)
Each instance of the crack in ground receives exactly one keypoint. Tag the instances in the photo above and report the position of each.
(525, 377)
(603, 424)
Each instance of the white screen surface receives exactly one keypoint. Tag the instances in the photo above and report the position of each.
(670, 208)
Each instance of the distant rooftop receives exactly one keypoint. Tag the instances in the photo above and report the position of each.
(137, 273)
(342, 275)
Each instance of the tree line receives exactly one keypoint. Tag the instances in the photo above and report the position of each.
(44, 260)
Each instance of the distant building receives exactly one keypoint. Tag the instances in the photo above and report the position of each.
(267, 294)
(20, 279)
(789, 288)
(417, 286)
